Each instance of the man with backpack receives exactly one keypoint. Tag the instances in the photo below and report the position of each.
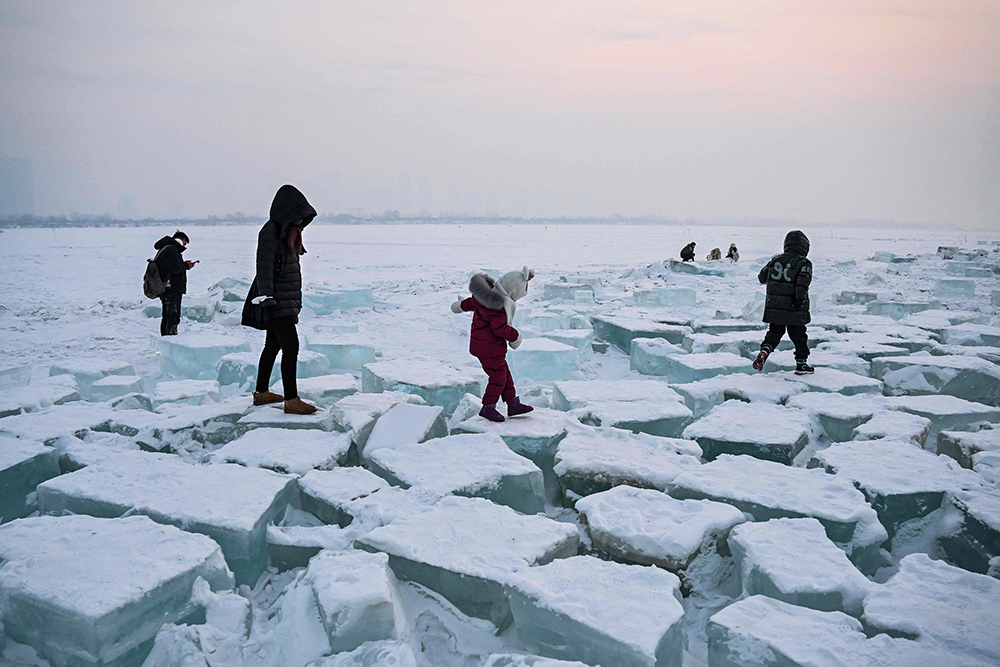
(172, 269)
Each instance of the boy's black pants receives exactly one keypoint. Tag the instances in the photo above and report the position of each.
(796, 332)
(171, 317)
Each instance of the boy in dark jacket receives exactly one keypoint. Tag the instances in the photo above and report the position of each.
(788, 276)
(173, 270)
(492, 305)
(687, 252)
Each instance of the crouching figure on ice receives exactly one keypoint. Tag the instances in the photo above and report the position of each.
(492, 305)
(787, 306)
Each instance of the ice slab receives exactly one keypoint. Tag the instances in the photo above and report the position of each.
(963, 376)
(694, 269)
(664, 418)
(838, 415)
(762, 430)
(24, 464)
(229, 503)
(971, 334)
(431, 380)
(954, 287)
(88, 371)
(619, 330)
(543, 359)
(974, 540)
(936, 321)
(325, 390)
(760, 631)
(648, 527)
(565, 290)
(963, 445)
(598, 612)
(269, 416)
(794, 561)
(193, 427)
(372, 654)
(114, 386)
(834, 381)
(327, 494)
(76, 418)
(863, 348)
(467, 550)
(852, 297)
(591, 461)
(195, 355)
(324, 302)
(768, 490)
(575, 394)
(514, 660)
(287, 450)
(466, 465)
(289, 547)
(343, 352)
(102, 601)
(14, 376)
(581, 339)
(356, 414)
(54, 390)
(933, 602)
(726, 326)
(894, 425)
(650, 358)
(669, 297)
(186, 392)
(947, 413)
(238, 368)
(406, 424)
(784, 360)
(896, 309)
(902, 482)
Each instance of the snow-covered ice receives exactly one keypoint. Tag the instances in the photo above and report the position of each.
(947, 413)
(325, 390)
(763, 430)
(187, 392)
(838, 415)
(357, 413)
(272, 416)
(895, 425)
(295, 451)
(372, 654)
(114, 386)
(973, 538)
(89, 371)
(963, 376)
(543, 359)
(406, 424)
(327, 493)
(433, 381)
(349, 352)
(24, 464)
(963, 445)
(620, 330)
(195, 355)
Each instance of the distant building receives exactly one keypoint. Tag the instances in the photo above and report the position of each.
(17, 187)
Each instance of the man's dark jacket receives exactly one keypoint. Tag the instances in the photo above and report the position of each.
(788, 276)
(171, 264)
(278, 272)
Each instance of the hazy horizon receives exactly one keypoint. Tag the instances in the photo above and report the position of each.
(824, 112)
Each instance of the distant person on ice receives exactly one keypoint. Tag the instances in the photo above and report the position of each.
(173, 270)
(787, 306)
(687, 252)
(715, 255)
(492, 305)
(733, 255)
(275, 297)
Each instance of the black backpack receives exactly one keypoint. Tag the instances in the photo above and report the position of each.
(153, 285)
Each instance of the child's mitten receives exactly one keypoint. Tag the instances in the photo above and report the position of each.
(516, 343)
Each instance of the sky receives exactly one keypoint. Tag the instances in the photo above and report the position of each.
(707, 110)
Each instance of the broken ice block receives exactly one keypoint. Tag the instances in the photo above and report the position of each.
(716, 327)
(680, 368)
(883, 256)
(467, 550)
(862, 348)
(229, 503)
(14, 376)
(24, 464)
(762, 430)
(946, 413)
(851, 297)
(238, 368)
(581, 339)
(793, 560)
(325, 390)
(769, 490)
(467, 465)
(372, 654)
(834, 381)
(651, 356)
(88, 371)
(199, 309)
(973, 541)
(933, 602)
(102, 601)
(666, 418)
(971, 334)
(598, 612)
(784, 360)
(963, 376)
(344, 352)
(978, 272)
(114, 386)
(648, 527)
(896, 309)
(838, 415)
(952, 287)
(704, 395)
(894, 425)
(181, 426)
(514, 660)
(356, 414)
(619, 330)
(900, 481)
(327, 493)
(53, 390)
(195, 355)
(431, 380)
(573, 394)
(567, 291)
(543, 359)
(958, 267)
(693, 268)
(268, 416)
(591, 461)
(668, 297)
(963, 445)
(406, 424)
(326, 301)
(286, 450)
(186, 392)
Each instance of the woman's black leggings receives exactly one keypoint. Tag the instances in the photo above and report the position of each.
(282, 337)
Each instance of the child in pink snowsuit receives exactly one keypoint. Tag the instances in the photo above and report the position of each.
(492, 304)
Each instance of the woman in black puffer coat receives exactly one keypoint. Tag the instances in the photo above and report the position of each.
(275, 297)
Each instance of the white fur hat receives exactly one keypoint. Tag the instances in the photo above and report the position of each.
(515, 283)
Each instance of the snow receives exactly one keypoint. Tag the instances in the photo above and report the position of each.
(704, 395)
(835, 381)
(90, 589)
(356, 414)
(273, 416)
(838, 415)
(574, 394)
(406, 424)
(656, 417)
(766, 431)
(895, 425)
(36, 396)
(648, 360)
(666, 296)
(794, 561)
(583, 608)
(436, 383)
(372, 654)
(964, 376)
(295, 451)
(962, 445)
(88, 371)
(784, 360)
(543, 359)
(326, 493)
(647, 527)
(325, 390)
(188, 392)
(947, 413)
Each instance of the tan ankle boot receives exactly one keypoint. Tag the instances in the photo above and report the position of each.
(296, 406)
(266, 398)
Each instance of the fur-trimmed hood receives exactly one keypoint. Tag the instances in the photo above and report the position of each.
(484, 290)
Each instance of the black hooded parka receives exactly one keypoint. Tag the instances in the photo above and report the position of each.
(170, 264)
(278, 272)
(788, 276)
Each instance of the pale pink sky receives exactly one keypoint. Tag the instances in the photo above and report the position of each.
(819, 111)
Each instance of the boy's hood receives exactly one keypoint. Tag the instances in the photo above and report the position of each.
(796, 243)
(167, 240)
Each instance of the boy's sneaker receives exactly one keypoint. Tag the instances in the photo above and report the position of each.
(758, 363)
(802, 368)
(516, 407)
(490, 412)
